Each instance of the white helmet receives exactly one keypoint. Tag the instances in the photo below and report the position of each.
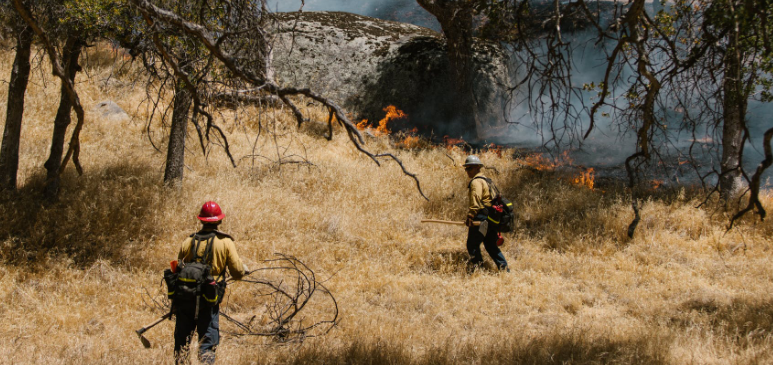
(472, 160)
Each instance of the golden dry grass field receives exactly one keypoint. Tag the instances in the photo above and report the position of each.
(76, 272)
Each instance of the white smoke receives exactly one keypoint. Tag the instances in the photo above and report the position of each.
(608, 144)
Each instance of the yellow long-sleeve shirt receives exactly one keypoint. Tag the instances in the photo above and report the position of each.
(223, 254)
(480, 194)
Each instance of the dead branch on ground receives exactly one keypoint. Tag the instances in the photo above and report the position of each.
(296, 305)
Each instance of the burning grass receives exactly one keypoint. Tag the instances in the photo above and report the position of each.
(682, 290)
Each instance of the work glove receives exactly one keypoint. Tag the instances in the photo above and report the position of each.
(468, 222)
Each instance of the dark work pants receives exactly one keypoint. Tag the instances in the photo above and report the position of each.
(475, 238)
(207, 326)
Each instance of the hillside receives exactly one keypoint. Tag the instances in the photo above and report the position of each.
(82, 272)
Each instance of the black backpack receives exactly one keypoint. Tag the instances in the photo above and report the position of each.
(193, 284)
(500, 214)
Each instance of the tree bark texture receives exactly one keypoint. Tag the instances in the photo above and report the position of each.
(70, 54)
(175, 156)
(733, 112)
(17, 87)
(456, 21)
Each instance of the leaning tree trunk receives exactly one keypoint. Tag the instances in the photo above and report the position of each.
(175, 155)
(456, 21)
(70, 54)
(733, 112)
(9, 152)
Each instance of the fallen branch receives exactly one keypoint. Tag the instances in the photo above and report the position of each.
(288, 286)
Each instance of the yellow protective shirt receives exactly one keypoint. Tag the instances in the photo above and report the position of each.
(223, 254)
(480, 194)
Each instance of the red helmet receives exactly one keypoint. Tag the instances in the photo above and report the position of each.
(211, 213)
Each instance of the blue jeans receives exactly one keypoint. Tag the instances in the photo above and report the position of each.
(207, 326)
(475, 238)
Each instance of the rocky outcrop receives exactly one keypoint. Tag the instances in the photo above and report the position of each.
(366, 64)
(108, 109)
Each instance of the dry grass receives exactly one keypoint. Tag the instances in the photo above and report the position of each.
(681, 291)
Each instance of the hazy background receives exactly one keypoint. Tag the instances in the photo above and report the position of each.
(407, 11)
(608, 145)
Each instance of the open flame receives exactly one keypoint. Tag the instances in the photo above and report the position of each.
(409, 142)
(585, 177)
(392, 113)
(451, 143)
(542, 162)
(493, 148)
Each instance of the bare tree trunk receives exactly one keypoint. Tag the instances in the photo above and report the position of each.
(9, 152)
(456, 21)
(175, 155)
(733, 111)
(70, 54)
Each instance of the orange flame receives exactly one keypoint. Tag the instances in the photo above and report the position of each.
(392, 113)
(495, 149)
(586, 178)
(452, 142)
(540, 162)
(409, 142)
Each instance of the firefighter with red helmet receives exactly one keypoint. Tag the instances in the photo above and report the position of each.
(216, 249)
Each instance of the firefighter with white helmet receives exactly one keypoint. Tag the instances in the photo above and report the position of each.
(480, 196)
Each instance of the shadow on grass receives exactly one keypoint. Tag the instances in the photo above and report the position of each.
(451, 262)
(573, 349)
(746, 321)
(96, 216)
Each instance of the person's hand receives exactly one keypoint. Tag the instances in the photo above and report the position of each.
(468, 222)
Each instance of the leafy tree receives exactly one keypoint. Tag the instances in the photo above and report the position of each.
(64, 29)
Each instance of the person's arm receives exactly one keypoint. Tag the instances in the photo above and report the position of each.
(476, 197)
(233, 262)
(184, 249)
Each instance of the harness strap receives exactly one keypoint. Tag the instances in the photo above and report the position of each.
(490, 184)
(207, 258)
(209, 238)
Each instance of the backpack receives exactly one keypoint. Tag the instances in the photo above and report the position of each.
(193, 284)
(500, 214)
